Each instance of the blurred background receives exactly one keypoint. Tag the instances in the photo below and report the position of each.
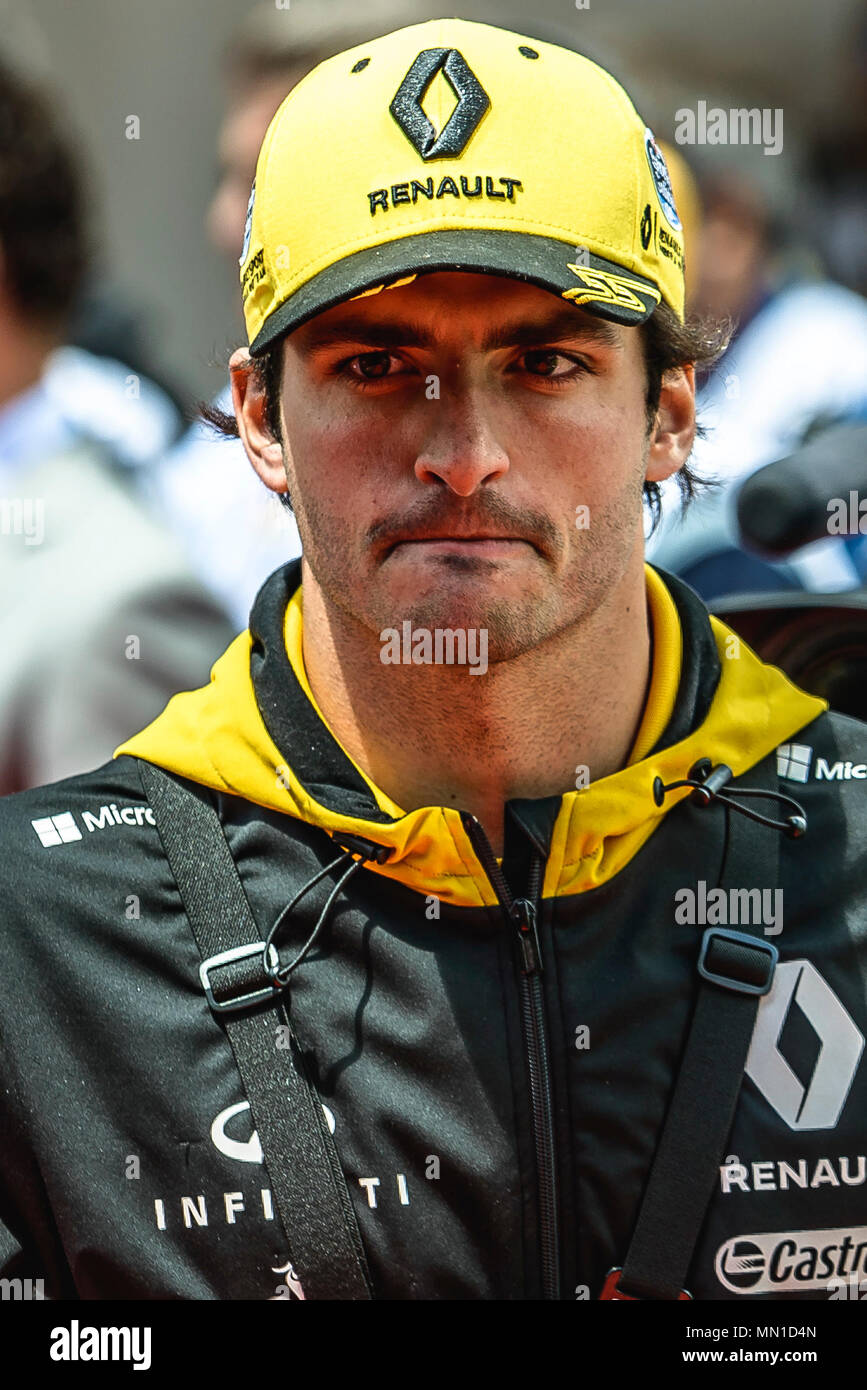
(165, 63)
(134, 539)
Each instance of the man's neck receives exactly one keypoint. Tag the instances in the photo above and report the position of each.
(534, 726)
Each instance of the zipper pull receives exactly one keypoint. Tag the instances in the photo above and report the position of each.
(523, 912)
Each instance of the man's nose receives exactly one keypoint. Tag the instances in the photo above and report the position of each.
(463, 445)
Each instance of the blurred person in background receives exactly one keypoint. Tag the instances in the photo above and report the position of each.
(235, 531)
(100, 378)
(797, 361)
(100, 618)
(836, 208)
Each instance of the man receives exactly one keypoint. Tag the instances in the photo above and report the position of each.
(431, 1054)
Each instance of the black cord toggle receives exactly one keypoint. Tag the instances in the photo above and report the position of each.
(708, 782)
(279, 975)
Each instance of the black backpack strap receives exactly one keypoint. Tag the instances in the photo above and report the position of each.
(736, 968)
(300, 1158)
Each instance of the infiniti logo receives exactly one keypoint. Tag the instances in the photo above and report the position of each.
(245, 1150)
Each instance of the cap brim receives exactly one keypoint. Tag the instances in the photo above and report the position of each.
(565, 268)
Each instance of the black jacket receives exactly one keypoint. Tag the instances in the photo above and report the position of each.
(129, 1169)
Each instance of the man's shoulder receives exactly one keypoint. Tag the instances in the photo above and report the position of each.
(824, 766)
(60, 815)
(831, 750)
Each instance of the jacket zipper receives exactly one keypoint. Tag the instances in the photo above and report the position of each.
(522, 912)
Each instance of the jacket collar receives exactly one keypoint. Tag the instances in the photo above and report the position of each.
(255, 732)
(326, 771)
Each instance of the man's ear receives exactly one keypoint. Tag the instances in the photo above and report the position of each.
(674, 432)
(263, 450)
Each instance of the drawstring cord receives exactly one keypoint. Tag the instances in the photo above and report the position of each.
(279, 975)
(707, 782)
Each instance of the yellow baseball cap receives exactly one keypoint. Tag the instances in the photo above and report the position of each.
(453, 145)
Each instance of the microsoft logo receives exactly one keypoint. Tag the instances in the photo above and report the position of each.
(60, 830)
(793, 761)
(57, 830)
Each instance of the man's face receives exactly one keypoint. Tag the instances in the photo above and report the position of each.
(441, 441)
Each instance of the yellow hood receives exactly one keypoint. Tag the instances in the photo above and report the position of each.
(216, 736)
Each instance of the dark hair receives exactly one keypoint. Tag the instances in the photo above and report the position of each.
(42, 218)
(668, 344)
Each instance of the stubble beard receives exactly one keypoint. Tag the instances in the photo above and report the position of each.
(566, 597)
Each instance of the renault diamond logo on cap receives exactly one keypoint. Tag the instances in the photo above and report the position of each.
(406, 108)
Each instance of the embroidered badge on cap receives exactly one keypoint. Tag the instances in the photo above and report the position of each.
(248, 225)
(661, 179)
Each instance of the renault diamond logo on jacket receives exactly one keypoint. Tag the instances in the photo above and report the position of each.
(406, 107)
(817, 1101)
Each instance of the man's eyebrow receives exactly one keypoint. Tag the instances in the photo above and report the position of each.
(567, 324)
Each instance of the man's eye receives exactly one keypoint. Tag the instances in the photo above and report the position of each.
(371, 365)
(543, 362)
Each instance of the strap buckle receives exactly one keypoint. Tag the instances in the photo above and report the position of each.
(735, 974)
(241, 1001)
(611, 1289)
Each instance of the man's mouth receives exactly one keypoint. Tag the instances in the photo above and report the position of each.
(479, 544)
